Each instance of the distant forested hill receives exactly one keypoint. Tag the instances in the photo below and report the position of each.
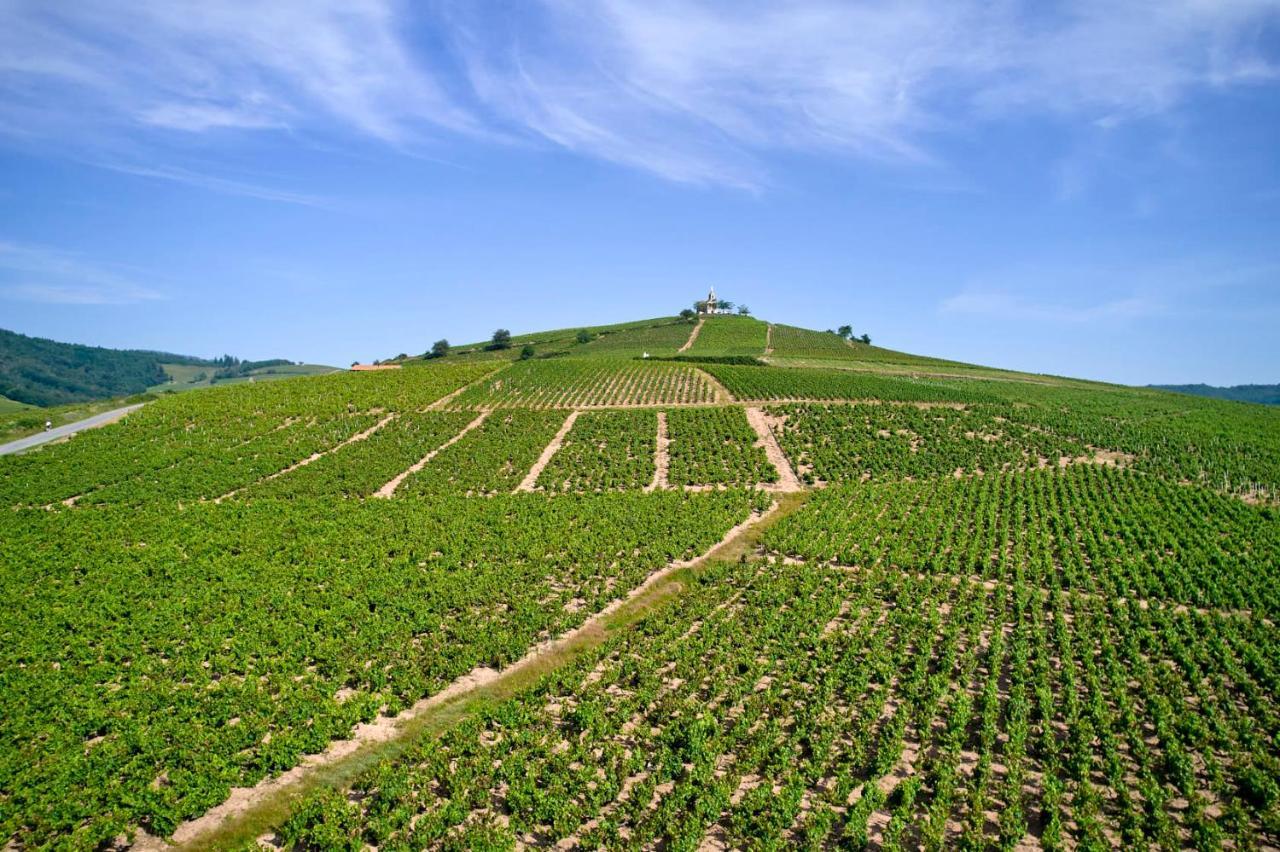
(1265, 394)
(45, 372)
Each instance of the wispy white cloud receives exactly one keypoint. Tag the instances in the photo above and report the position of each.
(38, 274)
(221, 185)
(695, 91)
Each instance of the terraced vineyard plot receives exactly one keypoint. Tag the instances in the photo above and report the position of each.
(763, 383)
(1108, 532)
(491, 459)
(362, 467)
(791, 342)
(731, 335)
(211, 476)
(715, 446)
(782, 706)
(605, 451)
(1234, 447)
(573, 383)
(151, 659)
(840, 442)
(631, 343)
(211, 423)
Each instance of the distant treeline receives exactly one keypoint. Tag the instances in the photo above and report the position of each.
(45, 372)
(1265, 394)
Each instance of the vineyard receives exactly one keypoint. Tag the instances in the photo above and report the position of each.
(594, 600)
(583, 383)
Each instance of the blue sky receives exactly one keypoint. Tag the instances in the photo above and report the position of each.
(1088, 188)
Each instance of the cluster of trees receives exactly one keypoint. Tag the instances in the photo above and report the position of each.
(846, 331)
(722, 306)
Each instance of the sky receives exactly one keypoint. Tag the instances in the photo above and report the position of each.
(1088, 188)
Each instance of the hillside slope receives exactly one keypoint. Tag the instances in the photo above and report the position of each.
(793, 592)
(38, 371)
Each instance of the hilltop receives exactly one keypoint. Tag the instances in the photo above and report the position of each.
(765, 586)
(41, 372)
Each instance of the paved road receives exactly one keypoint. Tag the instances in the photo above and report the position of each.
(63, 431)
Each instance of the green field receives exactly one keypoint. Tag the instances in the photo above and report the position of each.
(853, 598)
(8, 406)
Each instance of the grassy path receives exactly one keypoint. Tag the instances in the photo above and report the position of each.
(254, 811)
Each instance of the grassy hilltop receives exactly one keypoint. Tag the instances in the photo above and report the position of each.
(765, 587)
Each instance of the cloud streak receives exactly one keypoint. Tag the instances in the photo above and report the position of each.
(42, 275)
(692, 91)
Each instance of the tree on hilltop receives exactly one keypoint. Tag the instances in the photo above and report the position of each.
(501, 339)
(866, 338)
(845, 331)
(688, 314)
(439, 349)
(744, 311)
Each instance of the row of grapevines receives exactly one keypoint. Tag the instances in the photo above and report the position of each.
(151, 659)
(604, 451)
(765, 383)
(832, 443)
(662, 339)
(1101, 530)
(730, 335)
(574, 383)
(194, 427)
(793, 706)
(1228, 446)
(492, 459)
(362, 467)
(715, 446)
(214, 474)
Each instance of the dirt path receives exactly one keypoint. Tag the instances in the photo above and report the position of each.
(760, 422)
(360, 436)
(390, 488)
(443, 402)
(250, 811)
(722, 392)
(531, 479)
(693, 335)
(661, 456)
(768, 340)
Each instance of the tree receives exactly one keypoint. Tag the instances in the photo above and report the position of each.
(688, 314)
(584, 336)
(439, 349)
(401, 357)
(866, 338)
(699, 306)
(527, 352)
(501, 339)
(846, 331)
(744, 311)
(725, 305)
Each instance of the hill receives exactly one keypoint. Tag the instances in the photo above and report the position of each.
(37, 371)
(1263, 394)
(796, 591)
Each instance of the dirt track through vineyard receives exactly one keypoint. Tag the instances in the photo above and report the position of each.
(390, 488)
(313, 457)
(787, 479)
(693, 335)
(531, 479)
(255, 809)
(661, 456)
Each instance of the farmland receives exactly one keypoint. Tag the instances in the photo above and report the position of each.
(600, 600)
